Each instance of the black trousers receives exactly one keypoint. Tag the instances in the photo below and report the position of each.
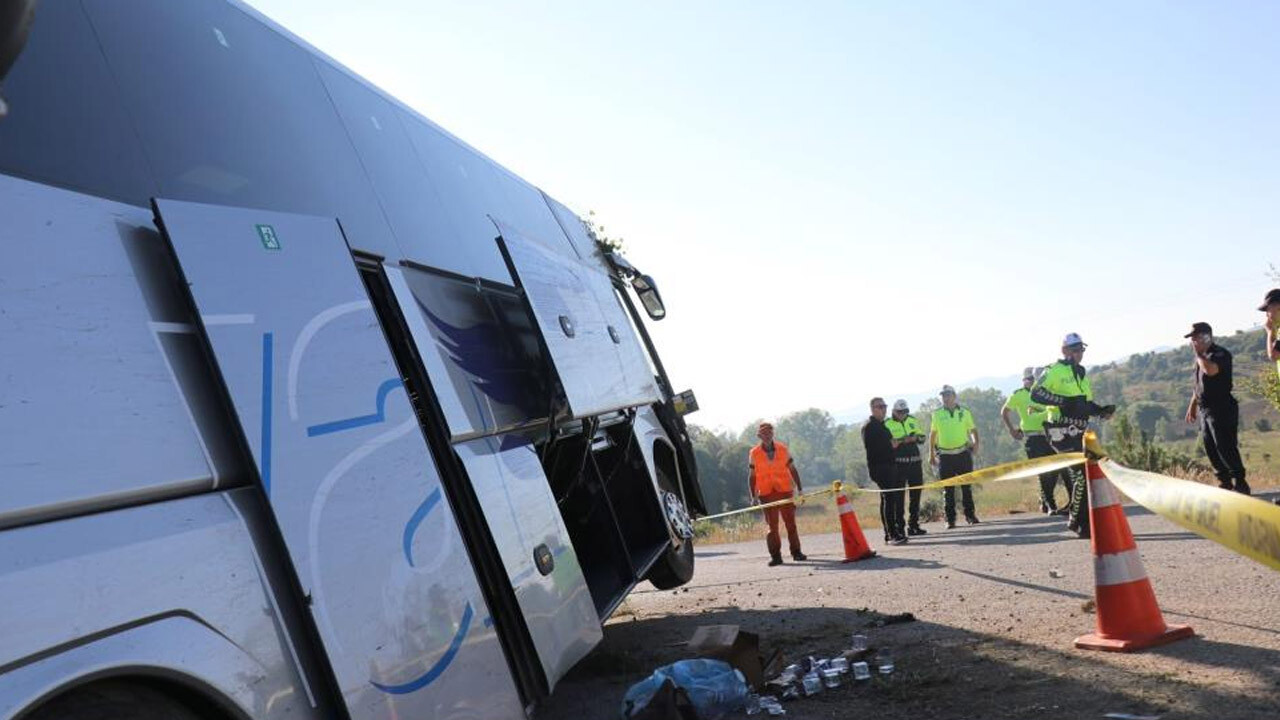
(891, 503)
(911, 474)
(1079, 507)
(950, 466)
(1219, 428)
(1038, 446)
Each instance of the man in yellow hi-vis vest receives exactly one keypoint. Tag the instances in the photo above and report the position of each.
(1065, 389)
(953, 444)
(1027, 425)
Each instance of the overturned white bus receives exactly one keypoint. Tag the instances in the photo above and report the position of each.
(307, 409)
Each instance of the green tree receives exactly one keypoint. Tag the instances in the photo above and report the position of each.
(1147, 414)
(1264, 384)
(997, 445)
(1130, 446)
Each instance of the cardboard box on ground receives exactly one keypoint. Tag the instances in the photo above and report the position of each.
(739, 648)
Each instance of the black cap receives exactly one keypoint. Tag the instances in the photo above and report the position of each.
(1272, 297)
(1200, 328)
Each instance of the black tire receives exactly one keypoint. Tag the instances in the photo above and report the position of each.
(114, 700)
(675, 567)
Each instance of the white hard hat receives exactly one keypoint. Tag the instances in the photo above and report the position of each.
(947, 389)
(1029, 373)
(1073, 339)
(900, 405)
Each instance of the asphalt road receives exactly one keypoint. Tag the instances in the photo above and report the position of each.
(997, 606)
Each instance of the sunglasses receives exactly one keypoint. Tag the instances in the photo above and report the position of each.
(878, 406)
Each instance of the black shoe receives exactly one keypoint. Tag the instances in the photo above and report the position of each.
(1061, 512)
(916, 530)
(900, 540)
(1242, 487)
(1225, 485)
(1073, 525)
(1044, 508)
(951, 524)
(1083, 533)
(972, 519)
(775, 561)
(798, 556)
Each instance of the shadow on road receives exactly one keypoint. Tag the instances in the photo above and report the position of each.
(1023, 584)
(1033, 530)
(942, 672)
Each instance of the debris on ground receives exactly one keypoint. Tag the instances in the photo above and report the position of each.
(905, 617)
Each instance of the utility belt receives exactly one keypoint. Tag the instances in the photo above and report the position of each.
(909, 459)
(1057, 432)
(1032, 433)
(954, 451)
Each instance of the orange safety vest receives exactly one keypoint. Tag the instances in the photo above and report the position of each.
(772, 476)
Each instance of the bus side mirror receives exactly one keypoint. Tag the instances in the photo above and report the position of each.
(649, 297)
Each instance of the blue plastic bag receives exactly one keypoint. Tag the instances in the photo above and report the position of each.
(714, 687)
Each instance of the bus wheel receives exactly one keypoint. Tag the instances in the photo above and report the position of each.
(113, 700)
(675, 567)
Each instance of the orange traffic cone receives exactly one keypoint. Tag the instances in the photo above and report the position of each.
(1128, 616)
(855, 543)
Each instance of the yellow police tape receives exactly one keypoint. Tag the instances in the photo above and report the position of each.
(1238, 522)
(1017, 470)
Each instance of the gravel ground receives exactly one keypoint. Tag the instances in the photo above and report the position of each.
(997, 608)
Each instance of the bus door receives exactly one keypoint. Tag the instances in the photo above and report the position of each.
(369, 527)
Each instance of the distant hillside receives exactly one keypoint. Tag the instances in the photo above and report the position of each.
(1154, 387)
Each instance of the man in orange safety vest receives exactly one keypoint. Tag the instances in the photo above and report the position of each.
(772, 476)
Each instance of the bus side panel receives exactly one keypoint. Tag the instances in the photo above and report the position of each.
(175, 588)
(91, 413)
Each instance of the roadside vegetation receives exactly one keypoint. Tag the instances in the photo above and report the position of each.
(1149, 433)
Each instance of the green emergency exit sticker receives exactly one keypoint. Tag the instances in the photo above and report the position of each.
(267, 234)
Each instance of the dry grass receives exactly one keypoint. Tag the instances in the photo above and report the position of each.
(819, 515)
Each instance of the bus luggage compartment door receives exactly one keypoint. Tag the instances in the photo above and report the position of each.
(594, 350)
(343, 462)
(469, 342)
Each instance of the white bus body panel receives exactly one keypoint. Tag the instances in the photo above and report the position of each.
(172, 589)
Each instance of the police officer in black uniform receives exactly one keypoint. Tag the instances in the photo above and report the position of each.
(1213, 405)
(878, 442)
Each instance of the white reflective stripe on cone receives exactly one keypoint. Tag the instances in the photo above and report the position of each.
(1102, 493)
(1118, 568)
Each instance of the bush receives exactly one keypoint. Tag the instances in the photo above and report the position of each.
(930, 510)
(1263, 424)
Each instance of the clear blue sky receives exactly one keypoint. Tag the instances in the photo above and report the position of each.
(841, 199)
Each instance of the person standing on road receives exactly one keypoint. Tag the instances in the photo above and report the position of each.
(1216, 409)
(953, 444)
(1271, 306)
(907, 437)
(1065, 389)
(772, 476)
(1027, 425)
(878, 442)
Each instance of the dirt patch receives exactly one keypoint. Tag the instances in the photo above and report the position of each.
(998, 606)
